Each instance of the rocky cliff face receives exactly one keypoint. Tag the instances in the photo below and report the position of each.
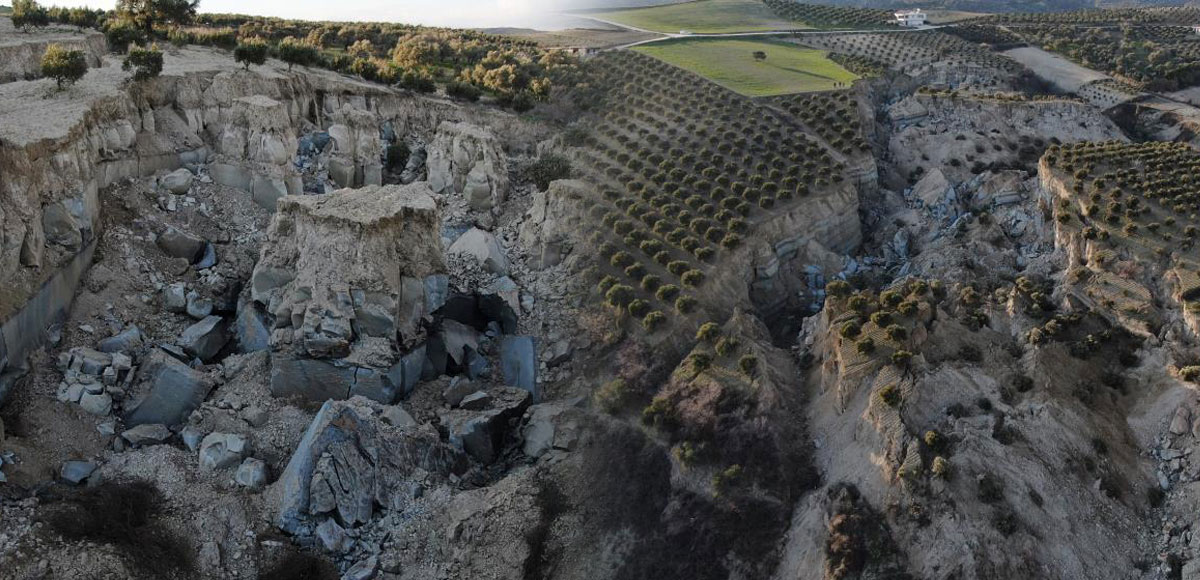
(21, 56)
(468, 160)
(253, 131)
(962, 136)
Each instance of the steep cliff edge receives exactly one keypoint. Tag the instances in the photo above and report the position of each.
(253, 131)
(21, 53)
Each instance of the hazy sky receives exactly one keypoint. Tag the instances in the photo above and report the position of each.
(458, 13)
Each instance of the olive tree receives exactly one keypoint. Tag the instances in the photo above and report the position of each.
(63, 65)
(252, 51)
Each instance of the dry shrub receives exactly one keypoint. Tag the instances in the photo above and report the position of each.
(301, 566)
(122, 514)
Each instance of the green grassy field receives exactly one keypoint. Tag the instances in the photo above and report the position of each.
(702, 16)
(730, 62)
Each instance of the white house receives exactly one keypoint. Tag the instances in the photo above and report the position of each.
(1196, 29)
(910, 18)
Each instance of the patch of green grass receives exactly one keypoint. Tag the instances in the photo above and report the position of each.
(730, 62)
(701, 16)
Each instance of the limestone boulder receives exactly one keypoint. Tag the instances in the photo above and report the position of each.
(205, 339)
(178, 182)
(347, 278)
(346, 465)
(174, 391)
(484, 248)
(468, 160)
(553, 218)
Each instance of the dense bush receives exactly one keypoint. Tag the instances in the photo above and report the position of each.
(463, 91)
(146, 63)
(548, 168)
(28, 14)
(748, 364)
(294, 51)
(654, 320)
(123, 515)
(890, 395)
(613, 395)
(251, 51)
(63, 65)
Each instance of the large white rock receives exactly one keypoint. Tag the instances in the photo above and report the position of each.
(178, 181)
(484, 247)
(467, 159)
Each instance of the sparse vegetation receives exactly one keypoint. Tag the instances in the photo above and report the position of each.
(123, 515)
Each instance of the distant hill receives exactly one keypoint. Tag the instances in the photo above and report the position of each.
(962, 5)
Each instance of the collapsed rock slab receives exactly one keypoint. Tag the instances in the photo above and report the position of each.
(178, 182)
(222, 450)
(147, 434)
(127, 340)
(481, 434)
(339, 274)
(518, 363)
(252, 473)
(77, 471)
(467, 159)
(179, 244)
(251, 329)
(175, 391)
(484, 248)
(345, 465)
(205, 339)
(554, 217)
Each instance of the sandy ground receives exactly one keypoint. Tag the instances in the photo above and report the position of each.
(1062, 73)
(10, 36)
(34, 110)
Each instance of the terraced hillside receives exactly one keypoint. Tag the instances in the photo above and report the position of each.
(825, 16)
(909, 52)
(698, 16)
(1120, 204)
(686, 170)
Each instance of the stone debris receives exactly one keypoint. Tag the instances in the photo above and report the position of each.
(252, 474)
(147, 434)
(222, 450)
(178, 182)
(77, 472)
(205, 339)
(175, 390)
(483, 248)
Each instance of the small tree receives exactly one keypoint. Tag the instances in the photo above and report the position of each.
(251, 51)
(547, 168)
(28, 14)
(297, 52)
(463, 91)
(146, 63)
(145, 14)
(62, 65)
